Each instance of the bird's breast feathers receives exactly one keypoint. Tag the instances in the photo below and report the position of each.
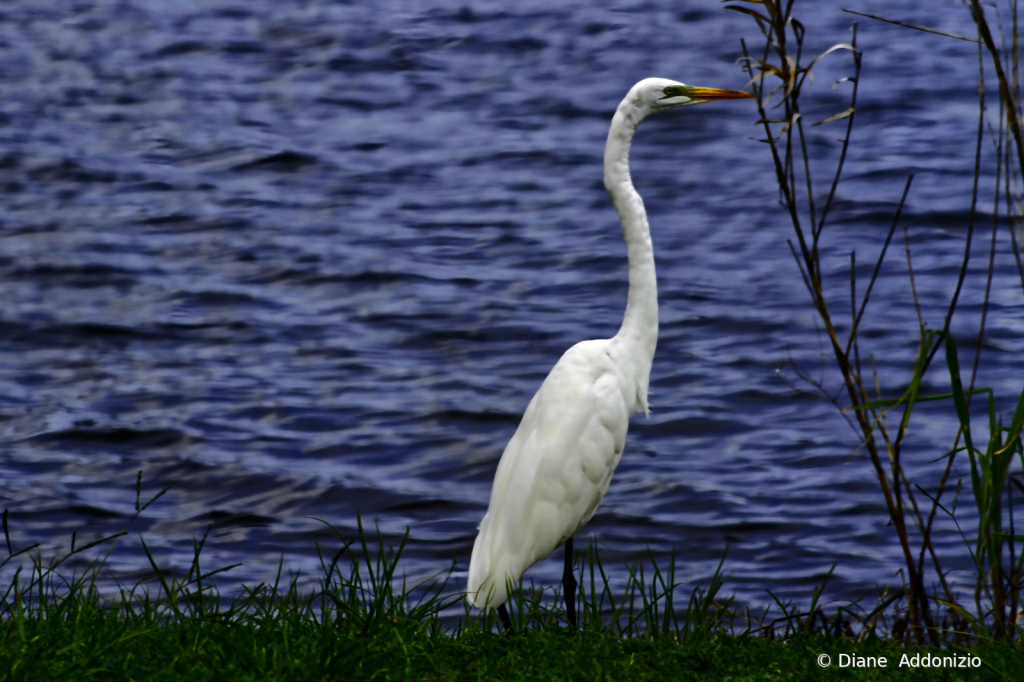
(557, 467)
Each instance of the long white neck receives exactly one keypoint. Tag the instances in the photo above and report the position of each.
(638, 336)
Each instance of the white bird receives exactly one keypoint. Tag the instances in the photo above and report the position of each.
(556, 469)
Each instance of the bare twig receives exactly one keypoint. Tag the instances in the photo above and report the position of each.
(992, 253)
(913, 285)
(810, 268)
(916, 27)
(878, 264)
(846, 138)
(1012, 119)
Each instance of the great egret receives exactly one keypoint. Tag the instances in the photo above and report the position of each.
(558, 465)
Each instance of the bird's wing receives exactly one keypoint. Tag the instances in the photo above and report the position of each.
(556, 468)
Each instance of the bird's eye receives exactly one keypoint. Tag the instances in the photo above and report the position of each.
(676, 91)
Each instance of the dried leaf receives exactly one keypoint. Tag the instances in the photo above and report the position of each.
(837, 46)
(767, 100)
(807, 69)
(790, 75)
(757, 15)
(768, 4)
(841, 114)
(785, 128)
(789, 124)
(764, 66)
(754, 80)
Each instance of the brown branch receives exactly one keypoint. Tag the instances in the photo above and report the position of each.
(1012, 119)
(878, 263)
(846, 138)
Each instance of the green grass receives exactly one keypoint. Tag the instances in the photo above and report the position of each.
(363, 622)
(102, 646)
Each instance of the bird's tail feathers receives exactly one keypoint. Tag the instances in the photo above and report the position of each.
(479, 565)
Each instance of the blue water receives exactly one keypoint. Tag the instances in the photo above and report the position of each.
(307, 259)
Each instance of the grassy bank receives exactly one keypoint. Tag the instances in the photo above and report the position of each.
(102, 646)
(363, 621)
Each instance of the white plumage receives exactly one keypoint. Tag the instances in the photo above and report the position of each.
(557, 468)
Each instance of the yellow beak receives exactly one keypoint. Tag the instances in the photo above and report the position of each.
(716, 93)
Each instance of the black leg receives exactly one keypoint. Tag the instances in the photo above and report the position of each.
(569, 583)
(505, 620)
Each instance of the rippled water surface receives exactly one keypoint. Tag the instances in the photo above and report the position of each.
(305, 259)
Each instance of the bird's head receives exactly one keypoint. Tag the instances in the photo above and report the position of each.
(652, 95)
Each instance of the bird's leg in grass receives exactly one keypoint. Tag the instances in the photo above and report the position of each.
(505, 620)
(569, 583)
